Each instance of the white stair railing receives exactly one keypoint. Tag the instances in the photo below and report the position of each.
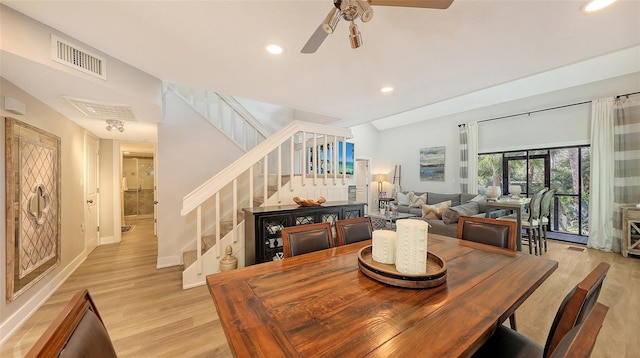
(238, 178)
(227, 114)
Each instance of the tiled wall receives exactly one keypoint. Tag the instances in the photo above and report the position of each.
(138, 199)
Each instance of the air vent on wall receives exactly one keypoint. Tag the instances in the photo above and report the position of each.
(66, 53)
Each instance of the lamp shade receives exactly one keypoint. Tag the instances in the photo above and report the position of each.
(379, 177)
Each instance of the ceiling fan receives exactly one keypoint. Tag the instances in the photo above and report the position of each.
(350, 10)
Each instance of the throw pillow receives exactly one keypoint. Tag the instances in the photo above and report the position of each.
(482, 203)
(435, 211)
(416, 201)
(403, 199)
(452, 214)
(478, 198)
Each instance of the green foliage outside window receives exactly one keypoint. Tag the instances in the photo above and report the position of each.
(569, 173)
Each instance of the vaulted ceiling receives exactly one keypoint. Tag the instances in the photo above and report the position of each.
(439, 61)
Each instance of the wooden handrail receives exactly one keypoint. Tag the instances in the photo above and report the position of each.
(198, 196)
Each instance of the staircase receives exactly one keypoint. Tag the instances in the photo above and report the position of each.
(226, 226)
(227, 114)
(272, 173)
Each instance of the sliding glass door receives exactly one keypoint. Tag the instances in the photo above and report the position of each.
(566, 169)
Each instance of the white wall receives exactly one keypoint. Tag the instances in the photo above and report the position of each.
(72, 208)
(401, 146)
(190, 151)
(554, 128)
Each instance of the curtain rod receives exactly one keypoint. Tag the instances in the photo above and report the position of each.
(549, 109)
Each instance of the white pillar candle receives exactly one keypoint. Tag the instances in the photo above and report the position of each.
(384, 246)
(411, 246)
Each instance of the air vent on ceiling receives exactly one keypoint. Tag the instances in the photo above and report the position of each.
(97, 110)
(66, 53)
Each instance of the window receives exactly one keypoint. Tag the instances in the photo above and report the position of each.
(566, 168)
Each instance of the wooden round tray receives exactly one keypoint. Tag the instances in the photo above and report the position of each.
(386, 273)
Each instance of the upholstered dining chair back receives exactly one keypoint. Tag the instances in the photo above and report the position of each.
(78, 331)
(500, 233)
(534, 205)
(353, 230)
(302, 239)
(545, 203)
(579, 341)
(578, 314)
(575, 306)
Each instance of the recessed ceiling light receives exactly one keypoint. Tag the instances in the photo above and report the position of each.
(386, 89)
(595, 5)
(274, 49)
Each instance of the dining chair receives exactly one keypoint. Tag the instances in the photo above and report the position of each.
(531, 221)
(579, 341)
(78, 331)
(302, 239)
(573, 310)
(500, 233)
(545, 217)
(353, 230)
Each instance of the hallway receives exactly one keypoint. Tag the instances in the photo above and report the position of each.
(145, 310)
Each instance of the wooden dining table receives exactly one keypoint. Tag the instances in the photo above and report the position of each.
(321, 305)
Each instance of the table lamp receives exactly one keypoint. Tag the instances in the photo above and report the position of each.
(379, 178)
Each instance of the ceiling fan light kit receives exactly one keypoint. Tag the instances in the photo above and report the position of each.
(115, 125)
(350, 10)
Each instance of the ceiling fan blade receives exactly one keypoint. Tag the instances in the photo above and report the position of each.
(315, 41)
(429, 4)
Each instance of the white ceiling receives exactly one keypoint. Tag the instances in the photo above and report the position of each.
(432, 57)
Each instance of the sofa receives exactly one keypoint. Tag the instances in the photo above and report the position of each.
(442, 211)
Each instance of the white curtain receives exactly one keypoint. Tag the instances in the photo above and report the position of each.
(469, 158)
(602, 172)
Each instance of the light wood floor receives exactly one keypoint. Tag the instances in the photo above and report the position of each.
(148, 314)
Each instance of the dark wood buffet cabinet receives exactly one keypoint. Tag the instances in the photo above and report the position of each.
(263, 241)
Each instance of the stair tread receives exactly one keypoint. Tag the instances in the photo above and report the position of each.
(189, 257)
(208, 242)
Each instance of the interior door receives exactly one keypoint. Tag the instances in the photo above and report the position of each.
(155, 193)
(362, 181)
(91, 193)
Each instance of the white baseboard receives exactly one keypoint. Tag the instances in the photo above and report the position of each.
(195, 284)
(169, 261)
(108, 240)
(11, 325)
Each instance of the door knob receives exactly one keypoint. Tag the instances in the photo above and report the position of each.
(90, 201)
(155, 202)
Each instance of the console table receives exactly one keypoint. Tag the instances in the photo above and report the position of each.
(263, 241)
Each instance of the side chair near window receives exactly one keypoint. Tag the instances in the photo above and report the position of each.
(545, 217)
(500, 233)
(302, 239)
(78, 331)
(573, 311)
(353, 230)
(532, 221)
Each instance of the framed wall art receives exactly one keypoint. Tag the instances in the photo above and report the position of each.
(432, 163)
(32, 177)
